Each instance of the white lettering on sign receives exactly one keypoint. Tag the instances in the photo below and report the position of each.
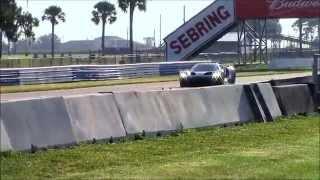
(293, 4)
(199, 30)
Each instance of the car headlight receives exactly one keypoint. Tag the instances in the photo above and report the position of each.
(183, 74)
(215, 75)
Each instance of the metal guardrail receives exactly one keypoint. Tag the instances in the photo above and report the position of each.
(55, 74)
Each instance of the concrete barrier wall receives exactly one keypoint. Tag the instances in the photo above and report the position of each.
(266, 101)
(294, 99)
(15, 115)
(4, 139)
(94, 117)
(40, 122)
(59, 121)
(209, 106)
(296, 80)
(270, 99)
(145, 111)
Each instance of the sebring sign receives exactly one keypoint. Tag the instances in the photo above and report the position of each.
(198, 31)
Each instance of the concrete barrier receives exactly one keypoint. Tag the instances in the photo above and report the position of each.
(94, 117)
(59, 121)
(296, 80)
(14, 116)
(294, 99)
(211, 106)
(268, 101)
(40, 122)
(4, 138)
(145, 111)
(255, 104)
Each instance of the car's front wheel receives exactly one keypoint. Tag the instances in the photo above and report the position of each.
(221, 82)
(218, 81)
(183, 84)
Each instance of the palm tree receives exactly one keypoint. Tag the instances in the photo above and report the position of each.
(104, 12)
(53, 14)
(131, 5)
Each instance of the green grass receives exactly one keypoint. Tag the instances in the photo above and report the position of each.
(286, 149)
(86, 84)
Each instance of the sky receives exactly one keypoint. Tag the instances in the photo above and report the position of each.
(78, 25)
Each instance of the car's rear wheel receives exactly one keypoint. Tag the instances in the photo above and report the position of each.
(232, 80)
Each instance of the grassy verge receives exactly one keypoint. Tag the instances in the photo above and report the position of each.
(86, 84)
(286, 149)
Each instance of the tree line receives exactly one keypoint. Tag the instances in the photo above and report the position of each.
(14, 22)
(309, 30)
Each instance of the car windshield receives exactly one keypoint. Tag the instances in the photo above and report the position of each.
(205, 67)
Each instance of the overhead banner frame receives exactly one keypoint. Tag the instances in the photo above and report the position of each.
(257, 9)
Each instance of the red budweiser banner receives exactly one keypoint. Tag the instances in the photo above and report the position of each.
(252, 9)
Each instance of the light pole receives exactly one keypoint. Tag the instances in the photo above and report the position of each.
(184, 14)
(160, 31)
(154, 37)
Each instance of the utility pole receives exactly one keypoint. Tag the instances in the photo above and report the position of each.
(154, 37)
(127, 38)
(300, 37)
(160, 30)
(184, 14)
(1, 43)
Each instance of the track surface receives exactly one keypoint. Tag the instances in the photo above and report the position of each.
(134, 87)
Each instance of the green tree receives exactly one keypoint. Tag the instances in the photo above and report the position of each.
(53, 14)
(131, 5)
(307, 28)
(298, 26)
(43, 43)
(26, 22)
(104, 12)
(8, 16)
(12, 34)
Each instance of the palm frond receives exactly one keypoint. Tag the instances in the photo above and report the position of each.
(123, 5)
(104, 11)
(141, 4)
(95, 18)
(53, 14)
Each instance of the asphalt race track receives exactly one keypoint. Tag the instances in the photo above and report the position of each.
(135, 87)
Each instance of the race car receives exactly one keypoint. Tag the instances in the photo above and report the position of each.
(207, 74)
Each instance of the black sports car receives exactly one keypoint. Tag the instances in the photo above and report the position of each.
(207, 74)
